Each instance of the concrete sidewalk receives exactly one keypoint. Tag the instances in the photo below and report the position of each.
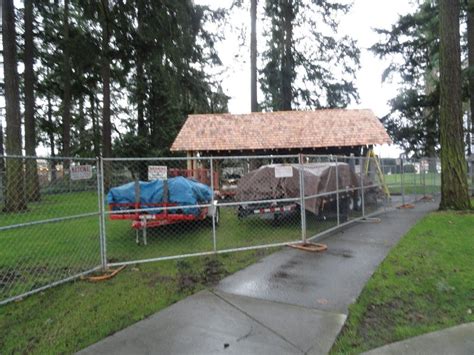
(291, 302)
(457, 340)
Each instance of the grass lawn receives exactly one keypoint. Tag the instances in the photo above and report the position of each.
(426, 283)
(420, 184)
(33, 256)
(72, 316)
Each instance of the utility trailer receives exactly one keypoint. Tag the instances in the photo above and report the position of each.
(225, 181)
(273, 191)
(161, 202)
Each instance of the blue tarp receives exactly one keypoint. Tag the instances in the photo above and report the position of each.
(182, 191)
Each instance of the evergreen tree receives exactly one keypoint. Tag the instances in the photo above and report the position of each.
(454, 188)
(253, 56)
(307, 64)
(31, 171)
(470, 71)
(414, 45)
(66, 81)
(15, 200)
(90, 53)
(168, 79)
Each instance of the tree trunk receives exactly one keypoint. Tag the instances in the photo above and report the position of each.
(470, 47)
(431, 115)
(2, 152)
(95, 126)
(142, 131)
(83, 144)
(142, 128)
(2, 164)
(105, 70)
(454, 189)
(431, 135)
(287, 56)
(52, 165)
(32, 178)
(15, 181)
(66, 90)
(253, 56)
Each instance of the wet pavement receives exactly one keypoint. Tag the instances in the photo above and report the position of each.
(457, 340)
(331, 280)
(291, 302)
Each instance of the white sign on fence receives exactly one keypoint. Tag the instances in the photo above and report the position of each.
(81, 172)
(157, 172)
(283, 171)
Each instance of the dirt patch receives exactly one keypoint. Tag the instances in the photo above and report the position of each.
(213, 271)
(187, 278)
(8, 276)
(154, 279)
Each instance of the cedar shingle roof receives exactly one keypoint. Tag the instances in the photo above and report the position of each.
(280, 130)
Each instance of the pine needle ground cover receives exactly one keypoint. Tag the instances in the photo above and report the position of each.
(425, 284)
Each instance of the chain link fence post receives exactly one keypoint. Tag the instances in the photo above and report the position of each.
(337, 193)
(102, 229)
(302, 198)
(423, 165)
(362, 194)
(213, 206)
(402, 180)
(99, 206)
(414, 181)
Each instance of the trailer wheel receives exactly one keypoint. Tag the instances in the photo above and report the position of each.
(344, 209)
(217, 218)
(355, 202)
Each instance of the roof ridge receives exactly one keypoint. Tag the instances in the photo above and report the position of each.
(279, 112)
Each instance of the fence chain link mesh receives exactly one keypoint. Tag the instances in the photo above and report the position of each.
(49, 225)
(64, 217)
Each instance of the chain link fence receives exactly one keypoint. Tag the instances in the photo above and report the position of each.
(49, 222)
(66, 217)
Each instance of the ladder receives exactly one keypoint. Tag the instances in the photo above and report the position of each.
(372, 156)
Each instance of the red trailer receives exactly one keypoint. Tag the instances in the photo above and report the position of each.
(151, 215)
(143, 220)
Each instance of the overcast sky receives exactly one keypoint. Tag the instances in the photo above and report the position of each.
(359, 23)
